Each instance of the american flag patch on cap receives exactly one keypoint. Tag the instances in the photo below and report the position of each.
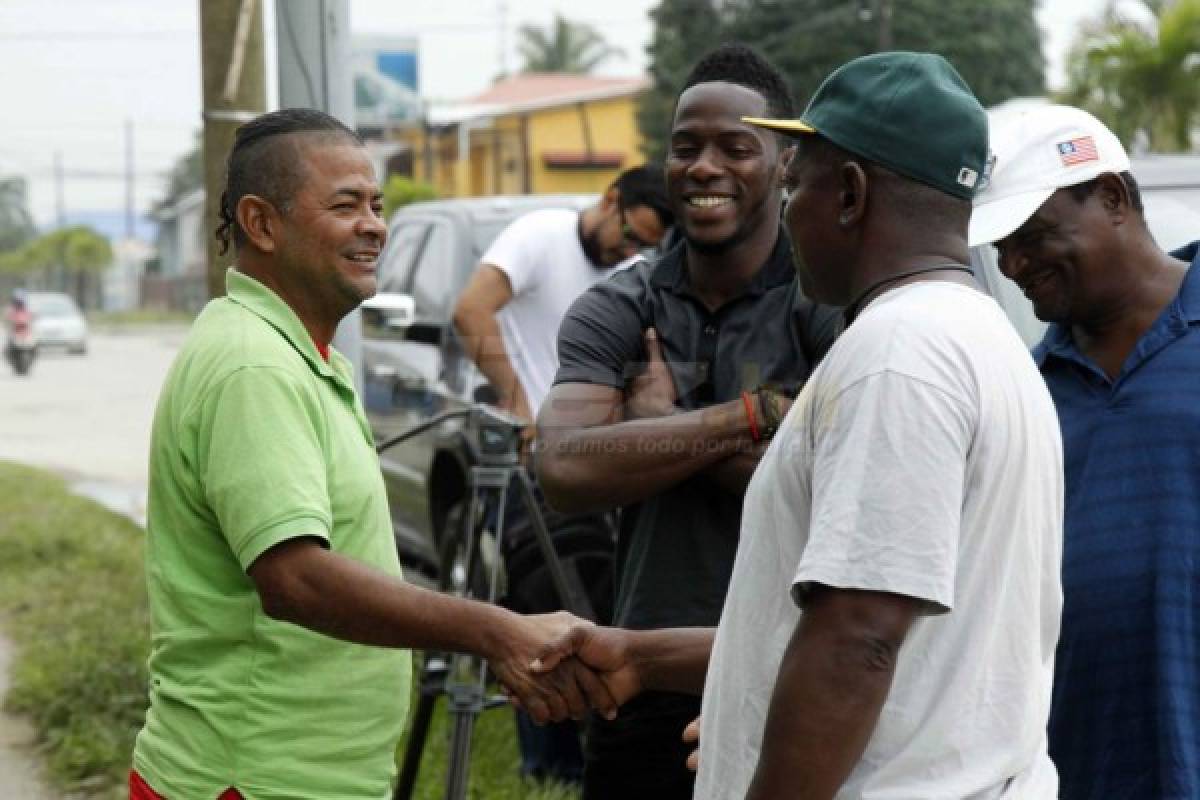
(1078, 151)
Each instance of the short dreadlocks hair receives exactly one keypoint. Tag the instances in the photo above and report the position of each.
(266, 162)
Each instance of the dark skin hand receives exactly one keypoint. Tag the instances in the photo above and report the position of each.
(630, 661)
(833, 681)
(301, 582)
(653, 394)
(602, 448)
(591, 458)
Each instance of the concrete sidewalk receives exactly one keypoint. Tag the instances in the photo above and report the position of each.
(19, 776)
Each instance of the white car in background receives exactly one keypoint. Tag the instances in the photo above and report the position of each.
(57, 321)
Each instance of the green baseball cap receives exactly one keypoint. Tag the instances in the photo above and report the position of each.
(909, 112)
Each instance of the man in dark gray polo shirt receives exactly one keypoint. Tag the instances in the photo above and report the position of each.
(723, 310)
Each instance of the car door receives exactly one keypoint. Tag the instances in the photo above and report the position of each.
(389, 365)
(405, 380)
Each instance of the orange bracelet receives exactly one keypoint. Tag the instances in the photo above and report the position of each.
(748, 402)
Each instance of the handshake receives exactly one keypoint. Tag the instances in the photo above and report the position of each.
(556, 666)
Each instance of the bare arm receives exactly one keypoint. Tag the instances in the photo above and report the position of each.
(591, 458)
(486, 293)
(832, 684)
(603, 447)
(667, 659)
(301, 582)
(734, 474)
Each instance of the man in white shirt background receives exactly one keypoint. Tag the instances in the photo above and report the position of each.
(508, 314)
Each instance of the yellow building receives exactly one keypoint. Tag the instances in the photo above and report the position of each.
(530, 134)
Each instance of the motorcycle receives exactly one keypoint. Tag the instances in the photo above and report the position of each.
(21, 347)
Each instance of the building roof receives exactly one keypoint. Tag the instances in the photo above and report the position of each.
(553, 87)
(534, 91)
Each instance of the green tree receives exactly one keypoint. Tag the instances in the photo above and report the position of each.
(1141, 78)
(84, 250)
(75, 250)
(563, 47)
(994, 44)
(16, 224)
(683, 29)
(400, 191)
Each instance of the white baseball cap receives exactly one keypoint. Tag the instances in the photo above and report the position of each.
(1035, 152)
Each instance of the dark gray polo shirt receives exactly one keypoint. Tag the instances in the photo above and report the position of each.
(675, 550)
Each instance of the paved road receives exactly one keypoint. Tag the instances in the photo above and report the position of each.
(88, 418)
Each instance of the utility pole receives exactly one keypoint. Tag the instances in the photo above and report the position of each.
(129, 185)
(314, 72)
(883, 22)
(60, 203)
(231, 52)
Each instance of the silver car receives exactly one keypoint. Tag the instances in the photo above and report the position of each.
(413, 373)
(57, 321)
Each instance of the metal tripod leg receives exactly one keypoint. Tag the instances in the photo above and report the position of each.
(570, 592)
(433, 682)
(456, 679)
(465, 680)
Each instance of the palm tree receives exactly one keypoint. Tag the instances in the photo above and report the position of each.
(566, 47)
(1141, 80)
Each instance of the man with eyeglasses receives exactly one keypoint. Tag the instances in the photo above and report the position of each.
(508, 314)
(508, 317)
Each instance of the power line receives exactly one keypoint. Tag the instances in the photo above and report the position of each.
(42, 37)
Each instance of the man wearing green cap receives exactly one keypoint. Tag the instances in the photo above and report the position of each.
(891, 621)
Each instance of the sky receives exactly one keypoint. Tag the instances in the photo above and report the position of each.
(76, 71)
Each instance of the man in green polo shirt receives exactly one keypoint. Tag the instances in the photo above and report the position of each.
(277, 603)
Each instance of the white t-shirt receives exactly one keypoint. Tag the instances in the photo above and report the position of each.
(547, 269)
(922, 458)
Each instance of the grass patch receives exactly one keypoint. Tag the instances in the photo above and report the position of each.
(139, 316)
(72, 598)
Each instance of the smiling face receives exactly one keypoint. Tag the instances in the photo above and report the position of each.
(723, 175)
(1059, 256)
(332, 231)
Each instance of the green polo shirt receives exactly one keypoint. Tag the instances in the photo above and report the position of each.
(257, 440)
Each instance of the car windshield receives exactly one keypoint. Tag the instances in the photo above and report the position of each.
(52, 306)
(1171, 221)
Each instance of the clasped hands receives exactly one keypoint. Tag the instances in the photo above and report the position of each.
(575, 667)
(563, 667)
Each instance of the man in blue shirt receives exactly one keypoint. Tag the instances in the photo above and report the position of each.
(1122, 362)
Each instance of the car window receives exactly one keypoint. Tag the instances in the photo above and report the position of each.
(485, 232)
(400, 253)
(50, 305)
(434, 277)
(1172, 222)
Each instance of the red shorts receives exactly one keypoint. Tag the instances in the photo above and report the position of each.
(138, 790)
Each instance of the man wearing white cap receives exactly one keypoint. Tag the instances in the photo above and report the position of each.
(1122, 362)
